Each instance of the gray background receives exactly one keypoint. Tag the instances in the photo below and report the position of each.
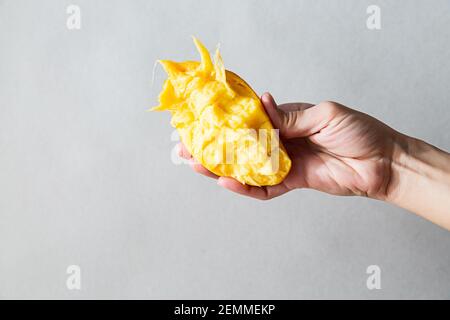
(86, 175)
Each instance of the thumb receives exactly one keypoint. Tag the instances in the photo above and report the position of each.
(296, 120)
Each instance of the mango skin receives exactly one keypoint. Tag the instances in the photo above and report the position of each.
(218, 117)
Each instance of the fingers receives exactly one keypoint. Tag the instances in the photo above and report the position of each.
(261, 193)
(197, 167)
(295, 106)
(302, 119)
(272, 110)
(183, 152)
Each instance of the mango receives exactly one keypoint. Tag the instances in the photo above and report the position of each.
(221, 121)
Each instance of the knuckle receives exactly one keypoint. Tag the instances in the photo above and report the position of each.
(290, 119)
(331, 108)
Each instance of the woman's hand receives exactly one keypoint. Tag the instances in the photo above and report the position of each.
(333, 149)
(341, 151)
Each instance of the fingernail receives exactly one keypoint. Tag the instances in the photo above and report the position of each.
(219, 181)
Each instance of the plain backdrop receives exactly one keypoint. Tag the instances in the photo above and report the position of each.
(87, 176)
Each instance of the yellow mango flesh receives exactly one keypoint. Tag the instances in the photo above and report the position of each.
(222, 122)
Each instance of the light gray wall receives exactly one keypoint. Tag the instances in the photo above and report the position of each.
(86, 176)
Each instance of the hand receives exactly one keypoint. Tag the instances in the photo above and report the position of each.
(341, 151)
(333, 148)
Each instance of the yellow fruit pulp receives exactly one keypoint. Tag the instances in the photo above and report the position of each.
(222, 122)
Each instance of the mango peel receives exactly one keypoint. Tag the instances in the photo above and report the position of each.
(221, 121)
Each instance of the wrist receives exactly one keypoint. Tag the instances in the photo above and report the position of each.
(401, 167)
(420, 179)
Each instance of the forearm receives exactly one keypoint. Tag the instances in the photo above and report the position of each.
(420, 180)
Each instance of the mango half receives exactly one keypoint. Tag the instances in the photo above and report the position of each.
(222, 122)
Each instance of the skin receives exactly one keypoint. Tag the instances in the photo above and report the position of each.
(341, 151)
